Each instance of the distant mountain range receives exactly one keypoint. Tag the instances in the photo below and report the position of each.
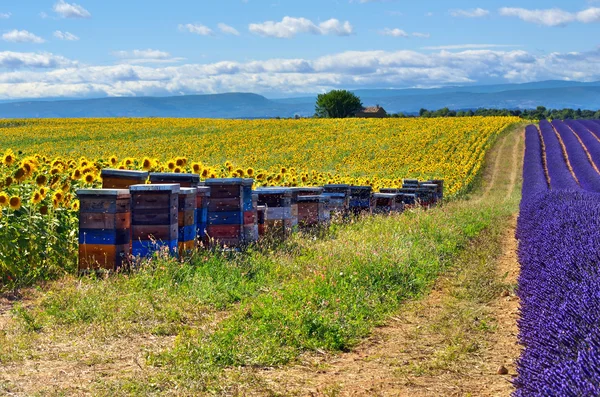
(551, 94)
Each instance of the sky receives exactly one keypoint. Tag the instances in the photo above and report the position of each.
(286, 48)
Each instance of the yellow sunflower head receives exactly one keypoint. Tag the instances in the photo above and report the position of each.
(41, 180)
(171, 165)
(8, 181)
(146, 164)
(113, 160)
(36, 198)
(9, 158)
(3, 199)
(197, 168)
(89, 178)
(76, 175)
(14, 202)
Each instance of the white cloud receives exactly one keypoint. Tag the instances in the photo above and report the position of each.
(290, 27)
(552, 16)
(70, 10)
(472, 13)
(65, 36)
(145, 56)
(228, 29)
(421, 35)
(5, 15)
(469, 46)
(21, 36)
(197, 29)
(19, 60)
(393, 32)
(33, 75)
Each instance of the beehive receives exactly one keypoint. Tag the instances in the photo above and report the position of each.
(154, 218)
(202, 201)
(183, 179)
(230, 200)
(251, 221)
(104, 228)
(187, 220)
(339, 198)
(360, 199)
(279, 210)
(308, 191)
(261, 217)
(384, 203)
(312, 211)
(429, 195)
(121, 179)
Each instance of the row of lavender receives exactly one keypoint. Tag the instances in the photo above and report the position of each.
(559, 252)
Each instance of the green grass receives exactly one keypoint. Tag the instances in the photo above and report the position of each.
(267, 306)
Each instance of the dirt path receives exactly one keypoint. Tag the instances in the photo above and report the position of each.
(412, 355)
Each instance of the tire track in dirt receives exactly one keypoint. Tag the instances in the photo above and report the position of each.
(386, 363)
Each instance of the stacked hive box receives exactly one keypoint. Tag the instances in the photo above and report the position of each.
(186, 237)
(261, 217)
(251, 221)
(339, 198)
(384, 203)
(360, 199)
(202, 196)
(428, 192)
(308, 191)
(230, 198)
(122, 179)
(154, 218)
(403, 198)
(279, 210)
(312, 211)
(104, 228)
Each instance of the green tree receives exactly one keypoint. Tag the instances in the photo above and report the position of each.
(337, 104)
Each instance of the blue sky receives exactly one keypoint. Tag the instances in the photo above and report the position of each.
(83, 48)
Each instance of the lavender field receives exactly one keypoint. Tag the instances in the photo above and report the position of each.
(559, 251)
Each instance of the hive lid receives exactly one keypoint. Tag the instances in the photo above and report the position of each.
(337, 186)
(273, 190)
(185, 191)
(385, 195)
(174, 177)
(308, 189)
(229, 181)
(311, 199)
(172, 188)
(117, 193)
(123, 173)
(334, 195)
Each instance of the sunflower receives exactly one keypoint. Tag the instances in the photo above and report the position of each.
(128, 161)
(41, 180)
(43, 191)
(205, 173)
(146, 164)
(283, 170)
(171, 165)
(240, 172)
(36, 198)
(250, 172)
(8, 181)
(89, 178)
(58, 196)
(113, 160)
(3, 199)
(9, 158)
(76, 175)
(20, 175)
(75, 205)
(196, 167)
(177, 170)
(180, 161)
(15, 202)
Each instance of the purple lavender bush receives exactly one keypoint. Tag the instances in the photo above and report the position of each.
(559, 284)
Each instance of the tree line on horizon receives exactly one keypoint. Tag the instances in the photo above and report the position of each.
(343, 103)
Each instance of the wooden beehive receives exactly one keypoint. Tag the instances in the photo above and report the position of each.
(104, 228)
(230, 199)
(202, 202)
(360, 199)
(339, 198)
(187, 233)
(312, 211)
(280, 219)
(183, 179)
(261, 217)
(308, 191)
(154, 218)
(122, 179)
(384, 203)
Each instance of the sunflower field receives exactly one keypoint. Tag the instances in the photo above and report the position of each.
(44, 162)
